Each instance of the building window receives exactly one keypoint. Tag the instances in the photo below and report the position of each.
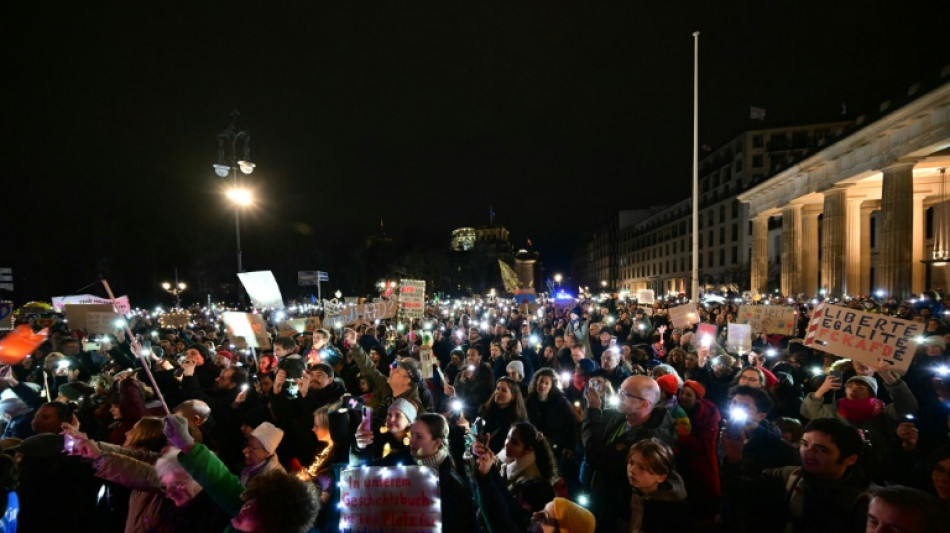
(722, 235)
(757, 161)
(722, 257)
(735, 231)
(735, 255)
(738, 165)
(709, 241)
(757, 141)
(735, 209)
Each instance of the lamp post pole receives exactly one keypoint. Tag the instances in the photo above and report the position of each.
(229, 164)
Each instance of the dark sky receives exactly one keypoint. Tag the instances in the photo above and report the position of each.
(422, 113)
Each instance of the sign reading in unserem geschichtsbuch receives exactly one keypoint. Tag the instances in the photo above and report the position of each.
(399, 499)
(862, 336)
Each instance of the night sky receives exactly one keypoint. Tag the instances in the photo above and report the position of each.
(424, 114)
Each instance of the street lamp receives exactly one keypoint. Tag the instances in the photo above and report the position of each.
(229, 164)
(558, 278)
(175, 289)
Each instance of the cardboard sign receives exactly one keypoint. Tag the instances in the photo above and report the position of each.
(121, 303)
(178, 319)
(365, 312)
(312, 323)
(262, 288)
(102, 323)
(288, 328)
(76, 315)
(412, 299)
(684, 316)
(261, 336)
(390, 499)
(239, 325)
(6, 315)
(333, 307)
(863, 336)
(426, 361)
(645, 296)
(769, 319)
(739, 338)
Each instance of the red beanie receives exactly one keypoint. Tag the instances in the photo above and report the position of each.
(225, 353)
(770, 379)
(697, 388)
(668, 384)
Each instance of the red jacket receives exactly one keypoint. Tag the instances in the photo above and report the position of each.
(698, 462)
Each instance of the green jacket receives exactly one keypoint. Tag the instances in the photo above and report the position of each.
(222, 486)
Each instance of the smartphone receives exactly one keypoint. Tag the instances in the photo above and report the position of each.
(837, 374)
(88, 346)
(69, 443)
(480, 434)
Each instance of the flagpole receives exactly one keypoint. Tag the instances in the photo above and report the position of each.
(694, 290)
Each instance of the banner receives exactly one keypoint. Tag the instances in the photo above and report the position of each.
(390, 499)
(412, 299)
(306, 278)
(178, 319)
(121, 303)
(6, 315)
(509, 277)
(77, 314)
(863, 336)
(103, 323)
(331, 308)
(739, 338)
(364, 312)
(684, 316)
(768, 319)
(262, 288)
(645, 296)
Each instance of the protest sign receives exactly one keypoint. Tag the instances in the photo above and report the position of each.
(312, 324)
(102, 323)
(262, 288)
(412, 298)
(76, 314)
(739, 338)
(121, 303)
(6, 315)
(288, 328)
(178, 319)
(333, 307)
(684, 316)
(707, 331)
(261, 336)
(390, 499)
(862, 336)
(768, 319)
(645, 296)
(239, 325)
(367, 312)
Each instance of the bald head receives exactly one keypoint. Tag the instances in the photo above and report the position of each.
(644, 387)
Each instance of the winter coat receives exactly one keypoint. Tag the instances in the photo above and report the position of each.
(223, 487)
(134, 469)
(606, 443)
(269, 465)
(664, 510)
(697, 458)
(498, 422)
(555, 418)
(382, 396)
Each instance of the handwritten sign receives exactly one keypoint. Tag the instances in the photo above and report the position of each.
(102, 323)
(261, 335)
(739, 338)
(365, 312)
(239, 325)
(412, 298)
(645, 296)
(863, 336)
(177, 319)
(684, 316)
(768, 319)
(288, 328)
(77, 315)
(6, 315)
(312, 324)
(390, 499)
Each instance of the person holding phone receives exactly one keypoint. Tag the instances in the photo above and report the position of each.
(861, 407)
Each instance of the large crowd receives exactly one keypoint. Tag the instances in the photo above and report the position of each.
(573, 416)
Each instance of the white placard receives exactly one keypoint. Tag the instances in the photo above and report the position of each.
(262, 288)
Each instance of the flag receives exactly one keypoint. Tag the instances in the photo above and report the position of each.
(756, 113)
(529, 243)
(509, 277)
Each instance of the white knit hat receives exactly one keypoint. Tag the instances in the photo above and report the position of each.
(269, 435)
(517, 366)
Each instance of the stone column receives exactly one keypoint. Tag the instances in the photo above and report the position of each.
(853, 239)
(897, 226)
(760, 254)
(918, 269)
(867, 208)
(810, 249)
(833, 244)
(791, 250)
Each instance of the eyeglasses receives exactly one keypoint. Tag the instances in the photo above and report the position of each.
(635, 397)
